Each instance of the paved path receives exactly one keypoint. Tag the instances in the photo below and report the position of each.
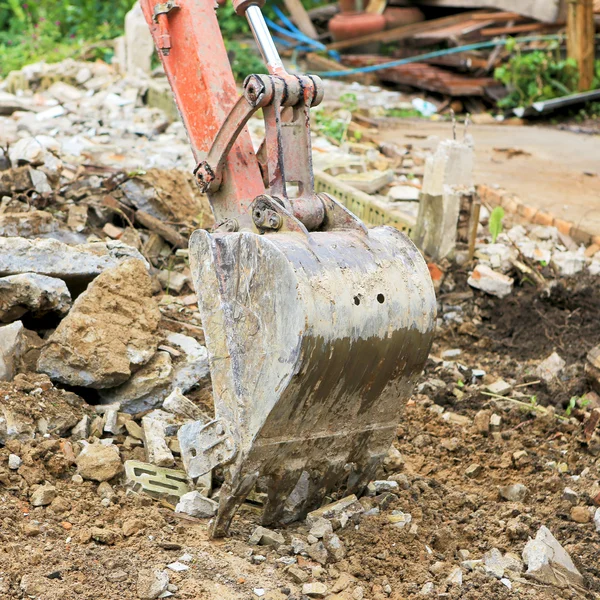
(558, 171)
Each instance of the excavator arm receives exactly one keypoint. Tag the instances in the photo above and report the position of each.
(316, 326)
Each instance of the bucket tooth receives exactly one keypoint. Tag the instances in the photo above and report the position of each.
(314, 341)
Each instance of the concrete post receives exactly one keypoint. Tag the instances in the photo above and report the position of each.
(139, 46)
(448, 177)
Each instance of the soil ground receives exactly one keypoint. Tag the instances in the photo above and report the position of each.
(49, 553)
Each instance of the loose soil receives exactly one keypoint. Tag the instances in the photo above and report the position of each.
(48, 552)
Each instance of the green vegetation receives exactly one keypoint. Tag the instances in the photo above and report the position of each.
(334, 125)
(56, 29)
(539, 75)
(495, 223)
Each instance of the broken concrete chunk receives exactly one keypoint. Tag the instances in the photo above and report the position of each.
(12, 345)
(321, 527)
(27, 224)
(548, 562)
(334, 547)
(197, 505)
(151, 584)
(99, 462)
(318, 552)
(266, 537)
(379, 487)
(79, 263)
(550, 368)
(499, 387)
(348, 506)
(178, 404)
(172, 281)
(315, 590)
(487, 280)
(31, 292)
(110, 330)
(400, 519)
(152, 384)
(157, 449)
(43, 495)
(369, 182)
(145, 388)
(493, 562)
(516, 492)
(33, 150)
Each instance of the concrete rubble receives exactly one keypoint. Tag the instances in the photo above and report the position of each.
(96, 295)
(549, 563)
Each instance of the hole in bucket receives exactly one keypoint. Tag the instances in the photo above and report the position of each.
(380, 298)
(193, 452)
(356, 300)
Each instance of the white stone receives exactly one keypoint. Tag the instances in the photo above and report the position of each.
(14, 462)
(597, 519)
(151, 584)
(196, 505)
(570, 263)
(157, 449)
(403, 193)
(178, 567)
(548, 562)
(487, 280)
(550, 368)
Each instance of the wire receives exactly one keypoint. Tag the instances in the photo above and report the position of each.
(437, 54)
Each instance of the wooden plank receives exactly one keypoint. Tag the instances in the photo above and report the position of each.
(580, 39)
(300, 18)
(404, 32)
(499, 16)
(525, 28)
(542, 10)
(316, 62)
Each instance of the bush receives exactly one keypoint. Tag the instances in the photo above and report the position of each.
(538, 75)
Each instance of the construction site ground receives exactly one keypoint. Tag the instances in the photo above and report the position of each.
(475, 474)
(48, 553)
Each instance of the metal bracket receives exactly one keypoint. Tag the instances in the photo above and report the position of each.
(164, 8)
(206, 446)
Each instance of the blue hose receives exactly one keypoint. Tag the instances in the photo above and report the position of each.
(436, 54)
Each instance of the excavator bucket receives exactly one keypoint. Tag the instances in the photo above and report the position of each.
(316, 327)
(314, 342)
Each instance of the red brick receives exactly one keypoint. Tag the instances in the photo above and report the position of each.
(543, 218)
(563, 226)
(527, 212)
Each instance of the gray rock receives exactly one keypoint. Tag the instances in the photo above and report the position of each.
(266, 537)
(399, 519)
(99, 462)
(81, 431)
(318, 552)
(493, 562)
(515, 492)
(335, 547)
(151, 584)
(43, 495)
(12, 346)
(455, 577)
(298, 545)
(109, 332)
(427, 590)
(152, 384)
(197, 505)
(548, 562)
(321, 527)
(31, 292)
(378, 487)
(79, 263)
(571, 496)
